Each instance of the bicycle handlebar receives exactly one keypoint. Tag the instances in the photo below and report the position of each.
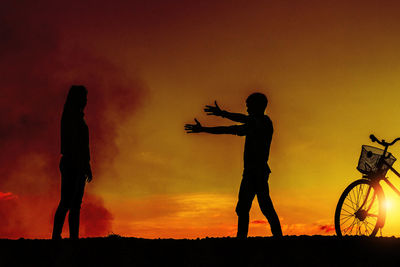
(383, 143)
(373, 138)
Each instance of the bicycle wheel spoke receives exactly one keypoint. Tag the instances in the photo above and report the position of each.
(362, 232)
(348, 206)
(361, 197)
(346, 229)
(370, 201)
(368, 223)
(354, 205)
(359, 209)
(370, 226)
(344, 216)
(372, 223)
(358, 228)
(350, 213)
(355, 194)
(364, 194)
(354, 198)
(348, 197)
(366, 229)
(350, 227)
(346, 220)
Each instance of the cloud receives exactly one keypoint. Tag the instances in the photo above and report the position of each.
(328, 228)
(7, 196)
(259, 222)
(40, 61)
(96, 219)
(11, 221)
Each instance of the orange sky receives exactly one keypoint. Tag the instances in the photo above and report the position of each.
(329, 68)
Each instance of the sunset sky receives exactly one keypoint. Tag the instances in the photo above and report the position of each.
(330, 69)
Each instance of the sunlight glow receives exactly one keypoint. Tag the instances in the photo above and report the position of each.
(388, 204)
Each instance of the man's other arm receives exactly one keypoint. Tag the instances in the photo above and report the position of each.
(217, 111)
(234, 129)
(238, 117)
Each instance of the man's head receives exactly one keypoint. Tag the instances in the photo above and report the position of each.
(256, 104)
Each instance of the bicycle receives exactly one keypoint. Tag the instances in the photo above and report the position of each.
(361, 208)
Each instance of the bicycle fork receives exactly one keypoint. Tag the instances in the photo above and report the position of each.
(363, 212)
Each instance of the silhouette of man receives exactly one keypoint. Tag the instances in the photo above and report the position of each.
(258, 129)
(74, 164)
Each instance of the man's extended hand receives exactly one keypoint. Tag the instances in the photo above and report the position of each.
(194, 128)
(89, 175)
(213, 110)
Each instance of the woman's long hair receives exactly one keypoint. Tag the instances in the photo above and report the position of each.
(76, 100)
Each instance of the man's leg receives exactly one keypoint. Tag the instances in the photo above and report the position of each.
(246, 196)
(267, 208)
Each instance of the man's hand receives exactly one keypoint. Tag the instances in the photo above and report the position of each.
(194, 128)
(89, 175)
(213, 110)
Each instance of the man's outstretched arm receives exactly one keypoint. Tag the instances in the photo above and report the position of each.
(216, 111)
(198, 128)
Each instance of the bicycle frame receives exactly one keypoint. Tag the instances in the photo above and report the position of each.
(377, 180)
(382, 161)
(389, 183)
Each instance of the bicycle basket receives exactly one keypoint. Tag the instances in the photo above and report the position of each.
(369, 160)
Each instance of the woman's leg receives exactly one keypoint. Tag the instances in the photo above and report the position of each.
(63, 206)
(74, 213)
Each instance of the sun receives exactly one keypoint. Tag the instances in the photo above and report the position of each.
(388, 204)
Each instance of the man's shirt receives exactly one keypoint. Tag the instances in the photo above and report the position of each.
(258, 132)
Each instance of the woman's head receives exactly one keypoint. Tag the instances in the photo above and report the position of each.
(76, 98)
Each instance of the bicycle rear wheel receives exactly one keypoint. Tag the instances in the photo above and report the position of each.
(360, 210)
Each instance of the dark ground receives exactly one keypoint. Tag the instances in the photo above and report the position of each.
(119, 251)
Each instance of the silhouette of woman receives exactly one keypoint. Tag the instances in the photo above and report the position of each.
(75, 161)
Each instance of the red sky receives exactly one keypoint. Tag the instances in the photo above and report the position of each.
(330, 70)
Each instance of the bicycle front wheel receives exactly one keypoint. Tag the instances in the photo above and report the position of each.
(360, 210)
